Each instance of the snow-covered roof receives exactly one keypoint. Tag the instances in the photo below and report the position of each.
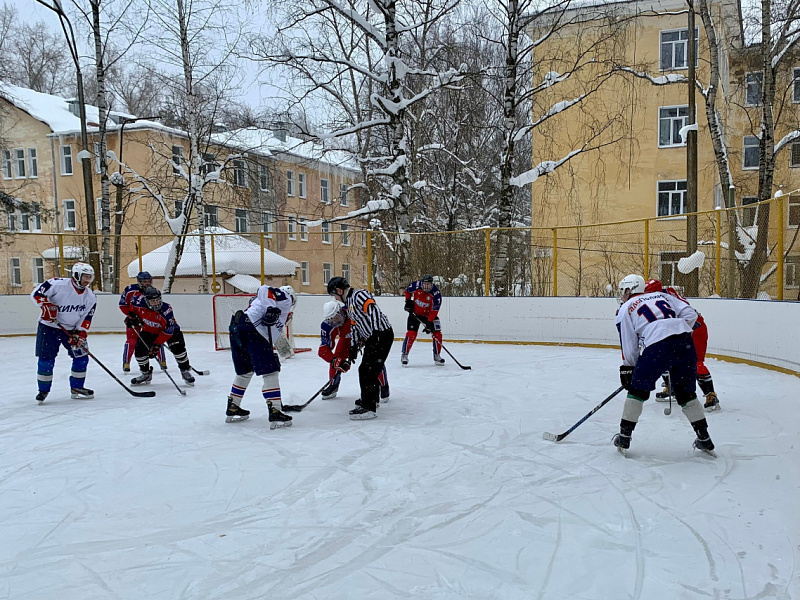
(70, 252)
(244, 283)
(232, 254)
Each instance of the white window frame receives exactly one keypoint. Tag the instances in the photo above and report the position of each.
(11, 220)
(263, 178)
(65, 154)
(37, 263)
(178, 207)
(8, 165)
(669, 259)
(751, 78)
(345, 229)
(33, 218)
(33, 163)
(346, 271)
(683, 119)
(659, 191)
(242, 220)
(70, 207)
(301, 185)
(749, 215)
(682, 41)
(364, 234)
(796, 85)
(343, 199)
(753, 143)
(98, 213)
(304, 279)
(324, 191)
(794, 155)
(793, 203)
(364, 274)
(20, 170)
(239, 172)
(289, 183)
(327, 272)
(267, 222)
(326, 232)
(302, 225)
(177, 159)
(96, 151)
(15, 271)
(210, 215)
(791, 272)
(291, 226)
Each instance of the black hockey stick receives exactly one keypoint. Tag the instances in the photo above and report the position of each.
(552, 437)
(206, 372)
(181, 391)
(300, 407)
(149, 394)
(464, 367)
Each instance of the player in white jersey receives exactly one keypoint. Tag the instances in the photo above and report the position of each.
(660, 325)
(252, 333)
(66, 304)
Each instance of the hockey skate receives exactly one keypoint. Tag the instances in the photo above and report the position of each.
(188, 378)
(277, 418)
(712, 402)
(404, 359)
(705, 444)
(40, 397)
(438, 360)
(385, 393)
(622, 442)
(330, 392)
(144, 379)
(82, 393)
(235, 412)
(359, 413)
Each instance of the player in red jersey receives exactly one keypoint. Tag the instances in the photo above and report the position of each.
(423, 302)
(143, 281)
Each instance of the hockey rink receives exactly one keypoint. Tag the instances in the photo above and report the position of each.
(451, 493)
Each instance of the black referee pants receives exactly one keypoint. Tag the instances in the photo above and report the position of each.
(376, 351)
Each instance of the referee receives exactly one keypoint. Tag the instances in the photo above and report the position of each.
(372, 332)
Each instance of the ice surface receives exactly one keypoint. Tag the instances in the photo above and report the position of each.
(450, 494)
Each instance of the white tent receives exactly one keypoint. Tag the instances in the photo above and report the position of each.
(232, 254)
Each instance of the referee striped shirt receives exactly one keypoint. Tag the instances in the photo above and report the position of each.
(365, 316)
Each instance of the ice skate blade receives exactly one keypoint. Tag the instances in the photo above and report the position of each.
(364, 416)
(81, 397)
(662, 399)
(236, 418)
(439, 364)
(714, 408)
(279, 424)
(710, 453)
(623, 451)
(330, 397)
(40, 402)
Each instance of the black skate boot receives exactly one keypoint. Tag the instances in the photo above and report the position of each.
(188, 378)
(277, 418)
(359, 413)
(712, 402)
(705, 444)
(144, 379)
(40, 397)
(235, 412)
(330, 392)
(438, 360)
(82, 393)
(622, 442)
(385, 393)
(404, 359)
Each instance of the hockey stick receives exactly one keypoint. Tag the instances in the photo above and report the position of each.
(148, 394)
(552, 437)
(181, 391)
(464, 367)
(206, 372)
(300, 407)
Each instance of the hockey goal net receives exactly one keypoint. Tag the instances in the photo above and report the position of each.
(225, 306)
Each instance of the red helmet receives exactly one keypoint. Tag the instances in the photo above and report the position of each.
(653, 285)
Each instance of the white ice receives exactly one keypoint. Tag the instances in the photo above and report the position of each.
(451, 493)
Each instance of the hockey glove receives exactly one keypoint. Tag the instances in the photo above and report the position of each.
(409, 307)
(271, 316)
(49, 311)
(132, 320)
(353, 355)
(427, 327)
(626, 376)
(155, 349)
(77, 339)
(341, 365)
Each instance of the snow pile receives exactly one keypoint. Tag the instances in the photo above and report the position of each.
(690, 263)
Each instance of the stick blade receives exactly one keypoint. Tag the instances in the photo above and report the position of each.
(292, 408)
(550, 437)
(149, 394)
(199, 372)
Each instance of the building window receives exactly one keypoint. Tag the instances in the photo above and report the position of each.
(37, 270)
(301, 185)
(364, 234)
(345, 234)
(749, 213)
(239, 173)
(241, 221)
(8, 172)
(794, 155)
(791, 271)
(753, 88)
(327, 272)
(750, 152)
(30, 221)
(11, 216)
(96, 148)
(209, 163)
(291, 227)
(364, 275)
(675, 49)
(796, 85)
(324, 191)
(15, 271)
(343, 194)
(326, 232)
(177, 159)
(98, 213)
(267, 219)
(66, 160)
(668, 271)
(70, 216)
(178, 208)
(794, 211)
(290, 183)
(211, 215)
(671, 198)
(304, 272)
(263, 178)
(301, 221)
(19, 162)
(346, 271)
(670, 121)
(33, 163)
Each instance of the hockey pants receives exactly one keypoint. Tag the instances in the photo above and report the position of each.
(48, 342)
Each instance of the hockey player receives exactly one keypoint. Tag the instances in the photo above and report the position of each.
(252, 332)
(143, 280)
(423, 302)
(336, 326)
(66, 303)
(155, 325)
(282, 343)
(371, 331)
(700, 339)
(662, 325)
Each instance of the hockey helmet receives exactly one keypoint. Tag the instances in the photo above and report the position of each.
(337, 283)
(289, 291)
(153, 298)
(79, 269)
(630, 286)
(426, 283)
(332, 313)
(653, 285)
(144, 279)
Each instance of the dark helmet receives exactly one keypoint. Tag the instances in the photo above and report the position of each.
(337, 282)
(427, 278)
(144, 276)
(153, 297)
(426, 283)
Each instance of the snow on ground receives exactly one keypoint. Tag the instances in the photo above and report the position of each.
(451, 493)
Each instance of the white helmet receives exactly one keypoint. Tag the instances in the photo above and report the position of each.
(289, 291)
(331, 310)
(79, 269)
(634, 284)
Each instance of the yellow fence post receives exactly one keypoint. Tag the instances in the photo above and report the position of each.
(488, 273)
(369, 261)
(140, 252)
(779, 249)
(555, 261)
(647, 249)
(262, 259)
(718, 257)
(62, 264)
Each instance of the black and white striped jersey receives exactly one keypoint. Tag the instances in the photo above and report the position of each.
(365, 316)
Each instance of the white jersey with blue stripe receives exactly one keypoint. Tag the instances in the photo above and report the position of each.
(75, 308)
(265, 297)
